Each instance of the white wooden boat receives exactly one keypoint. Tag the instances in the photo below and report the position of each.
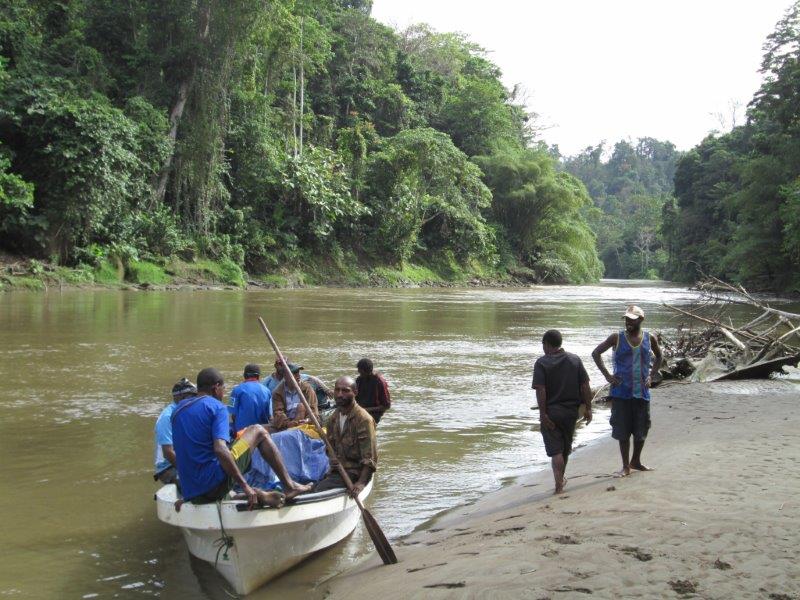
(266, 542)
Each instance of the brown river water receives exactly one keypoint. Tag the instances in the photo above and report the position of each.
(85, 373)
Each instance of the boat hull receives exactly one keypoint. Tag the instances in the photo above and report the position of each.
(265, 542)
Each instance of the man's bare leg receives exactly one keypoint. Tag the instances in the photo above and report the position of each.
(559, 464)
(636, 459)
(257, 436)
(624, 450)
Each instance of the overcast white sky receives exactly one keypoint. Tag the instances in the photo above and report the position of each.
(612, 69)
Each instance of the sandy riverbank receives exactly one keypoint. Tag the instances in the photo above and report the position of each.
(718, 518)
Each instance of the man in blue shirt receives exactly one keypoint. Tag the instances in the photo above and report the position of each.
(251, 402)
(165, 471)
(637, 359)
(207, 466)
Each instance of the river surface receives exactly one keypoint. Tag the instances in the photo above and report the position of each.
(85, 373)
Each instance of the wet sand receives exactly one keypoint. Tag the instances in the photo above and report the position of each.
(718, 518)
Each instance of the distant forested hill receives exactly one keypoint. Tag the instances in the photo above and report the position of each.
(729, 207)
(264, 134)
(630, 190)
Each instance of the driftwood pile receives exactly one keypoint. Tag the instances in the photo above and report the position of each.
(712, 346)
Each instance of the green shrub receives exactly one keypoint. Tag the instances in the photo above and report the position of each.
(420, 274)
(107, 273)
(277, 281)
(77, 276)
(652, 274)
(24, 283)
(220, 271)
(231, 273)
(143, 272)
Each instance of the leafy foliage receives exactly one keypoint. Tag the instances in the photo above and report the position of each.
(629, 192)
(737, 193)
(258, 135)
(541, 210)
(424, 194)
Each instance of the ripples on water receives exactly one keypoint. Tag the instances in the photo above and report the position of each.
(89, 371)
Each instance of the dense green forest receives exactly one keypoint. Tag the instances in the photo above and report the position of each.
(266, 136)
(141, 139)
(729, 207)
(629, 190)
(737, 209)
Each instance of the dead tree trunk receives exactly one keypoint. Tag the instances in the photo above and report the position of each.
(184, 89)
(759, 347)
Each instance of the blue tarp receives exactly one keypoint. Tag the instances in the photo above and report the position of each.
(304, 457)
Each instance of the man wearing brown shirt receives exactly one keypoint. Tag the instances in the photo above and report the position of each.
(287, 408)
(351, 432)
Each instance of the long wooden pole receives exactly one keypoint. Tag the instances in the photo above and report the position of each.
(382, 545)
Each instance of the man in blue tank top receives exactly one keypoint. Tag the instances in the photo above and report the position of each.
(634, 369)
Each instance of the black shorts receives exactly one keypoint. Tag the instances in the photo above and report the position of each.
(559, 440)
(630, 417)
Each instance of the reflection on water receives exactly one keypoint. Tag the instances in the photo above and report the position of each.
(86, 373)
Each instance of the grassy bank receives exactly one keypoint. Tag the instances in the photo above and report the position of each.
(169, 273)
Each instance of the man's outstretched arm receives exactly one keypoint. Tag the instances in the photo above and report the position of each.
(610, 342)
(659, 358)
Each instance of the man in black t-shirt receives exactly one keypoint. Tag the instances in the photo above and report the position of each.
(561, 384)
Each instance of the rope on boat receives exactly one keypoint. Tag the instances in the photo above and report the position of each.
(224, 542)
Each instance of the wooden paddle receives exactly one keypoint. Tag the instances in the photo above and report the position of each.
(375, 533)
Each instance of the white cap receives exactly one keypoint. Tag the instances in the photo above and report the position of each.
(634, 312)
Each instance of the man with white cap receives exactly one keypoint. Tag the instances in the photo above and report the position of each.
(634, 369)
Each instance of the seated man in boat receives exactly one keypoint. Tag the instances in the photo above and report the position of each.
(373, 390)
(351, 432)
(322, 391)
(251, 402)
(273, 380)
(208, 468)
(165, 471)
(287, 408)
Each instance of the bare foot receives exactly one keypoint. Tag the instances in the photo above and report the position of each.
(271, 499)
(265, 499)
(623, 472)
(560, 488)
(178, 504)
(298, 489)
(641, 467)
